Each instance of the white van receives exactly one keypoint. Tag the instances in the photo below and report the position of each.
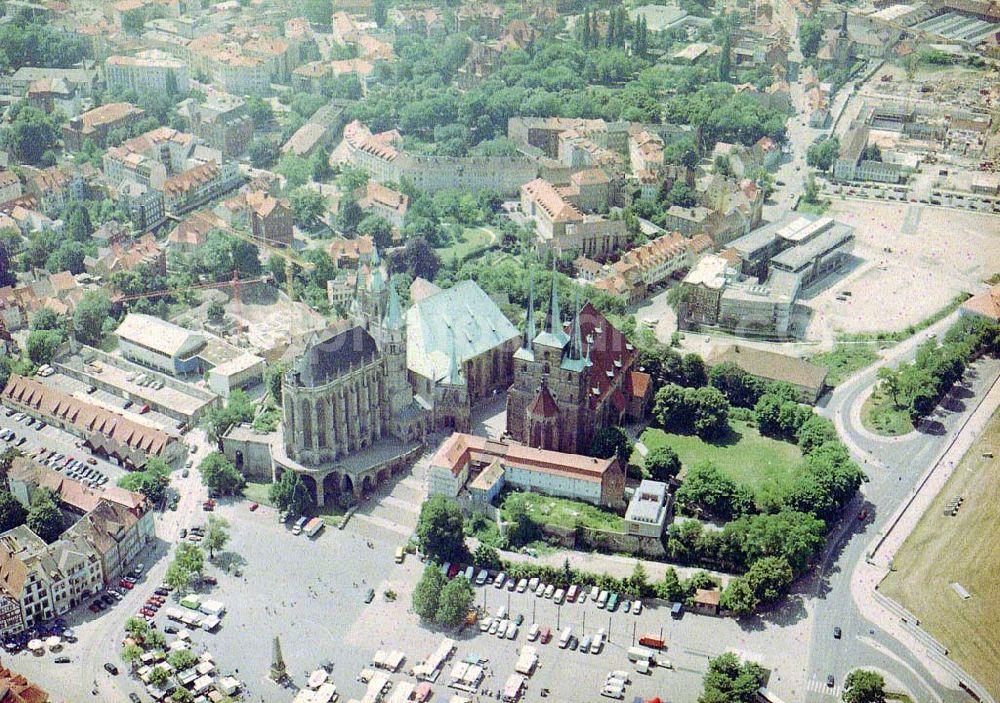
(598, 643)
(501, 579)
(558, 597)
(533, 632)
(522, 585)
(594, 592)
(470, 573)
(549, 591)
(533, 584)
(483, 575)
(565, 637)
(602, 599)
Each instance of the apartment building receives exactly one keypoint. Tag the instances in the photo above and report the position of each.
(152, 71)
(96, 124)
(562, 227)
(222, 121)
(196, 186)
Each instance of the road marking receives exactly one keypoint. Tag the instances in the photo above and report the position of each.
(817, 685)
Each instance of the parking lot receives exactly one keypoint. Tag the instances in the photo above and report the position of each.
(55, 439)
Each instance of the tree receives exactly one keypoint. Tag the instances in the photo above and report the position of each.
(888, 380)
(219, 474)
(864, 686)
(238, 409)
(810, 191)
(30, 135)
(12, 513)
(378, 228)
(440, 532)
(456, 600)
(44, 517)
(216, 535)
(216, 311)
(8, 275)
(151, 485)
(823, 155)
(810, 36)
(8, 455)
(137, 629)
(182, 659)
(260, 111)
(320, 167)
(739, 597)
(662, 463)
(611, 442)
(78, 224)
(418, 259)
(670, 588)
(486, 557)
(725, 66)
(308, 207)
(705, 486)
(131, 654)
(177, 577)
(272, 379)
(682, 194)
(181, 695)
(158, 677)
(289, 494)
(349, 215)
(427, 594)
(730, 681)
(190, 558)
(638, 581)
(769, 578)
(91, 313)
(295, 169)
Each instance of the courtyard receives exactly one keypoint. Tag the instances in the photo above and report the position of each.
(767, 466)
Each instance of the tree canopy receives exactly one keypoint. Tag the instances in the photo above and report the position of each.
(440, 530)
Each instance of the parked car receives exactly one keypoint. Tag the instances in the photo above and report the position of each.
(111, 668)
(62, 660)
(370, 595)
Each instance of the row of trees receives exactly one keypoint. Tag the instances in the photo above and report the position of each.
(436, 599)
(919, 386)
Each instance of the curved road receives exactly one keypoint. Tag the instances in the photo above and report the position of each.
(894, 466)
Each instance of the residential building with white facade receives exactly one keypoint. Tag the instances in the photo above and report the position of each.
(153, 71)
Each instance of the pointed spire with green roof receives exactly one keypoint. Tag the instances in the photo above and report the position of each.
(529, 321)
(393, 313)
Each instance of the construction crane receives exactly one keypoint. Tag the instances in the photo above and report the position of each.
(291, 259)
(233, 283)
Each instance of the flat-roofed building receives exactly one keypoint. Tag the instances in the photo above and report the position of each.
(597, 481)
(162, 345)
(648, 510)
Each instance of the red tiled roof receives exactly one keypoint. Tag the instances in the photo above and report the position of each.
(610, 352)
(640, 382)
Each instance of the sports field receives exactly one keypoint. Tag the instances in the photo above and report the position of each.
(963, 549)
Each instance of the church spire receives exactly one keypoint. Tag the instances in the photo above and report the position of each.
(529, 321)
(393, 313)
(454, 370)
(575, 341)
(555, 323)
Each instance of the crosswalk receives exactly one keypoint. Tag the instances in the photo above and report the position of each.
(817, 684)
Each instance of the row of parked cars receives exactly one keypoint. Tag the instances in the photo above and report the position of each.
(604, 599)
(75, 469)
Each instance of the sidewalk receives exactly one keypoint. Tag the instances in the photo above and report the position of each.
(611, 564)
(869, 573)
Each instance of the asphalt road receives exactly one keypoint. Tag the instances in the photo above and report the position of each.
(894, 468)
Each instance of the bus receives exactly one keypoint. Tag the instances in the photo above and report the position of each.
(313, 527)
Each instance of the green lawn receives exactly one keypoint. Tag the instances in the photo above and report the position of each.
(258, 493)
(767, 466)
(812, 208)
(472, 239)
(880, 416)
(844, 360)
(564, 513)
